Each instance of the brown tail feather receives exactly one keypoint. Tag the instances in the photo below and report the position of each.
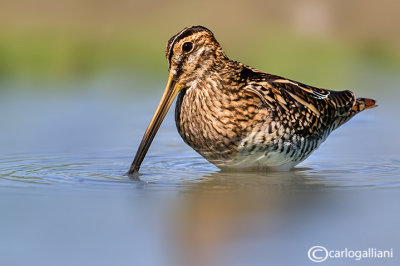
(360, 105)
(363, 103)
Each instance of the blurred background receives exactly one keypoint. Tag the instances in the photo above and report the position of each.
(60, 41)
(79, 82)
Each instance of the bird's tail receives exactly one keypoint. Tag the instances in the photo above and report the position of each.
(362, 104)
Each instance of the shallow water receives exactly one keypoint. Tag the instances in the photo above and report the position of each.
(64, 198)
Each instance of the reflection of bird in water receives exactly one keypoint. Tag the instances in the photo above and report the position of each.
(225, 209)
(238, 117)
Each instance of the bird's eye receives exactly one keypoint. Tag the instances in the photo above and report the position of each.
(187, 46)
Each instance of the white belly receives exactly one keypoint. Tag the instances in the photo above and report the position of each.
(259, 161)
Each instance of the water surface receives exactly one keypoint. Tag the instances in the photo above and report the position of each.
(64, 198)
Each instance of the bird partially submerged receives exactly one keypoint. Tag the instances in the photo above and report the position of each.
(238, 117)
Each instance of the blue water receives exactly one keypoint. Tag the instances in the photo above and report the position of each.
(64, 198)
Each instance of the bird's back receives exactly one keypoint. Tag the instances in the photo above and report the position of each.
(301, 118)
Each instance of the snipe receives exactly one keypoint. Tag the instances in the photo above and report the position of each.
(238, 117)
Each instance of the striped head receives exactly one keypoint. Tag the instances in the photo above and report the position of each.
(192, 52)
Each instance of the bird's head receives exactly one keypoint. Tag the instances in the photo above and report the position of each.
(191, 54)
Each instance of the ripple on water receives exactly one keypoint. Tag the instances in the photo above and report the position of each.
(104, 169)
(181, 168)
(50, 169)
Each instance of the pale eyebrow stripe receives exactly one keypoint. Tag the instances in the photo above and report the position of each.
(173, 43)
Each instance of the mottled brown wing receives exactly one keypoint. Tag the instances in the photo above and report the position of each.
(306, 109)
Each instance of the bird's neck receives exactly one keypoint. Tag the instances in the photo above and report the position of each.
(218, 76)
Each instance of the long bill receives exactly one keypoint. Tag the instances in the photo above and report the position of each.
(168, 97)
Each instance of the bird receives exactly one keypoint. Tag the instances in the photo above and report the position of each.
(238, 117)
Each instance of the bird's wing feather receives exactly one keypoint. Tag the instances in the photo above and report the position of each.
(306, 109)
